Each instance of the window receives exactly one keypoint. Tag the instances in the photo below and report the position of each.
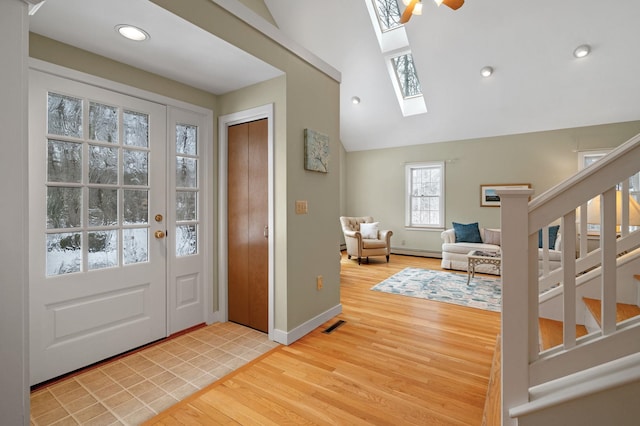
(388, 14)
(394, 45)
(587, 158)
(425, 195)
(97, 186)
(407, 76)
(187, 189)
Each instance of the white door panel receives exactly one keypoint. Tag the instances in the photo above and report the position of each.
(98, 273)
(186, 201)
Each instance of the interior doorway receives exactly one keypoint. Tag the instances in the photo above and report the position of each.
(224, 246)
(248, 230)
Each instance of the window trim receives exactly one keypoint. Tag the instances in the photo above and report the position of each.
(409, 167)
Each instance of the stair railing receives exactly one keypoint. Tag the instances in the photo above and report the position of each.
(523, 366)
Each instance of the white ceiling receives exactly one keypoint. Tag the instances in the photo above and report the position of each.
(537, 85)
(176, 49)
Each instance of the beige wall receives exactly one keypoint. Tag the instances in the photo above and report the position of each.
(376, 180)
(68, 56)
(312, 239)
(260, 8)
(306, 245)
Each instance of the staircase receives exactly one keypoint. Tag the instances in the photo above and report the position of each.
(551, 332)
(554, 370)
(551, 335)
(624, 311)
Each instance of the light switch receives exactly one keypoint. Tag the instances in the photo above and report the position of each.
(301, 207)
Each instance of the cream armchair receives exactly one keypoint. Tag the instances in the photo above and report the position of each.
(364, 239)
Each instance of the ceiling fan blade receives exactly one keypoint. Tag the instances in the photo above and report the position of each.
(453, 4)
(406, 15)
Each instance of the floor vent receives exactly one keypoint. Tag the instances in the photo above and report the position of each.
(334, 327)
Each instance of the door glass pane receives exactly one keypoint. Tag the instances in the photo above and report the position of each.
(64, 253)
(186, 200)
(103, 249)
(64, 161)
(64, 115)
(136, 129)
(136, 167)
(103, 207)
(103, 165)
(186, 240)
(136, 245)
(186, 139)
(103, 123)
(186, 207)
(64, 207)
(136, 206)
(98, 184)
(186, 172)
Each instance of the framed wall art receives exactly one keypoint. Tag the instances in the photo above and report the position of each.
(489, 197)
(316, 151)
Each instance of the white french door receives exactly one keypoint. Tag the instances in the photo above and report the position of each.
(115, 223)
(186, 240)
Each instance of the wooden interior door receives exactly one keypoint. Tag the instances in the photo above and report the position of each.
(247, 225)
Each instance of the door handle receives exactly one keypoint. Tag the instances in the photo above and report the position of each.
(159, 234)
(266, 231)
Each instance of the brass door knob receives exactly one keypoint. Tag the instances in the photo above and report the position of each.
(159, 234)
(159, 218)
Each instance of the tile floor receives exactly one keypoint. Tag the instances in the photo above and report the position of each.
(134, 388)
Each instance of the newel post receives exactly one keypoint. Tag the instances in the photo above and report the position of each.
(514, 218)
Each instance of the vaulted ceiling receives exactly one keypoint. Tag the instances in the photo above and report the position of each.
(538, 84)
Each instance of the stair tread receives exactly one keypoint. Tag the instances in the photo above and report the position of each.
(493, 403)
(552, 331)
(624, 311)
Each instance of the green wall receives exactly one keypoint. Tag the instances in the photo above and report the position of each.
(375, 180)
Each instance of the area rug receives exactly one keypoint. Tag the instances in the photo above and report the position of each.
(482, 293)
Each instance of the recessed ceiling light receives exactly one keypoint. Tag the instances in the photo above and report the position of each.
(132, 33)
(355, 100)
(582, 51)
(486, 71)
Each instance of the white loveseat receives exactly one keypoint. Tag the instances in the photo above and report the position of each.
(454, 254)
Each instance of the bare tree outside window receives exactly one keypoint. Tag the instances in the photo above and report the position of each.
(407, 75)
(97, 190)
(388, 14)
(425, 195)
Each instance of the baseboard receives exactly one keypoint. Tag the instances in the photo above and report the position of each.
(421, 253)
(212, 317)
(288, 337)
(416, 252)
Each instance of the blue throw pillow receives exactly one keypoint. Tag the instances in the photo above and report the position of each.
(467, 233)
(553, 235)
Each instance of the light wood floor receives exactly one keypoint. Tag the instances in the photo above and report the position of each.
(396, 360)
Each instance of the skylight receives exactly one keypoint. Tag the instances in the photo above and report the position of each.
(388, 14)
(407, 77)
(394, 45)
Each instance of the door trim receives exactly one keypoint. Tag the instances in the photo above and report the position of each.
(224, 121)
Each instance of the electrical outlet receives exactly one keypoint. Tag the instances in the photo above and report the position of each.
(319, 282)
